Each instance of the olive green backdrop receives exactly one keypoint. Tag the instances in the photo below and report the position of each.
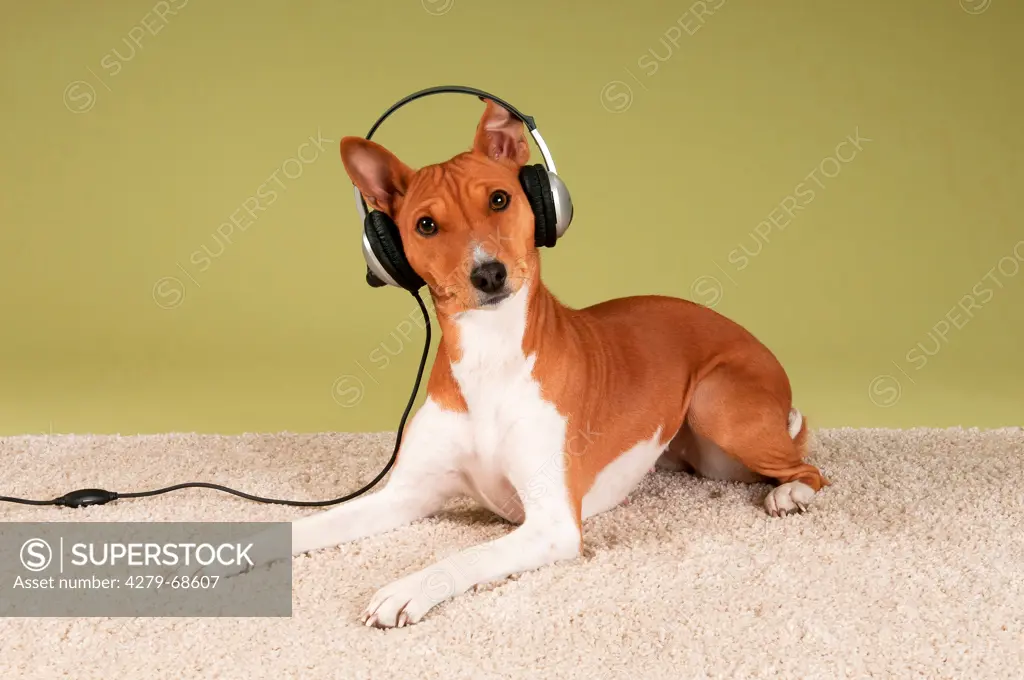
(179, 249)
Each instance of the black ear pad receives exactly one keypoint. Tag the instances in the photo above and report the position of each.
(534, 180)
(386, 242)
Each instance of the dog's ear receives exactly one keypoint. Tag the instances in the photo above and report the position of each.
(501, 136)
(380, 176)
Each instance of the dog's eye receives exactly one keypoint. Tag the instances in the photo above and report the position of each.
(499, 200)
(426, 226)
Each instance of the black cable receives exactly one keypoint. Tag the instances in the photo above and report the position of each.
(24, 501)
(83, 497)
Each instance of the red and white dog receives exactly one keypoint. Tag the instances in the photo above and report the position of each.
(544, 414)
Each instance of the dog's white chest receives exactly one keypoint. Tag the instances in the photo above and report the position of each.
(507, 418)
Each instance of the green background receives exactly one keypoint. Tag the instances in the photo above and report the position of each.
(677, 135)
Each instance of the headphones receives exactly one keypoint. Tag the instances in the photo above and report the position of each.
(386, 264)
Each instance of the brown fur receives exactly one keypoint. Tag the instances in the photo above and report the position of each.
(619, 371)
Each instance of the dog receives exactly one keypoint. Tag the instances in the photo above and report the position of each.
(544, 414)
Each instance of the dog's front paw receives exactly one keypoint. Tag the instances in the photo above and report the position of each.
(407, 600)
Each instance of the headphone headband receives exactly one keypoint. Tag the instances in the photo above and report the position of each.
(548, 197)
(441, 89)
(549, 162)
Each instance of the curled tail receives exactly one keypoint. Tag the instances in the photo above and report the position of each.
(798, 431)
(796, 423)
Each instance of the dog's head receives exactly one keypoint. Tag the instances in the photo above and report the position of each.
(466, 224)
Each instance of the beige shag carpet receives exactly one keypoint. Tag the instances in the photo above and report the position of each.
(910, 565)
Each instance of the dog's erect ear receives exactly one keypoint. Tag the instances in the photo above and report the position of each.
(380, 176)
(501, 136)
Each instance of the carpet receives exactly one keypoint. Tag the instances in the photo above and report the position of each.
(911, 564)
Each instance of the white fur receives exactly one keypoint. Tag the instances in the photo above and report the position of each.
(796, 422)
(508, 422)
(508, 451)
(622, 475)
(788, 498)
(513, 464)
(480, 255)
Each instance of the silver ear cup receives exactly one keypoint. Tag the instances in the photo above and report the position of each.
(559, 192)
(371, 257)
(563, 203)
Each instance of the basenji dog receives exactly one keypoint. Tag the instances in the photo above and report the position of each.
(545, 414)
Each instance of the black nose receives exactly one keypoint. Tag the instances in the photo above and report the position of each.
(488, 277)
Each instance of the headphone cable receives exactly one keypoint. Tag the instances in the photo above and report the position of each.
(84, 497)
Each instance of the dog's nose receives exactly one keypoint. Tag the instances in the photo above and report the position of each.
(488, 277)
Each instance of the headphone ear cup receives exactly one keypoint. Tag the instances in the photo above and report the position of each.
(534, 180)
(386, 243)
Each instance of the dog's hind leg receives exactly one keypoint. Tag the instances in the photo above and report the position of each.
(675, 456)
(747, 421)
(697, 455)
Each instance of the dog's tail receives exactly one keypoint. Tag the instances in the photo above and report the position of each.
(799, 432)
